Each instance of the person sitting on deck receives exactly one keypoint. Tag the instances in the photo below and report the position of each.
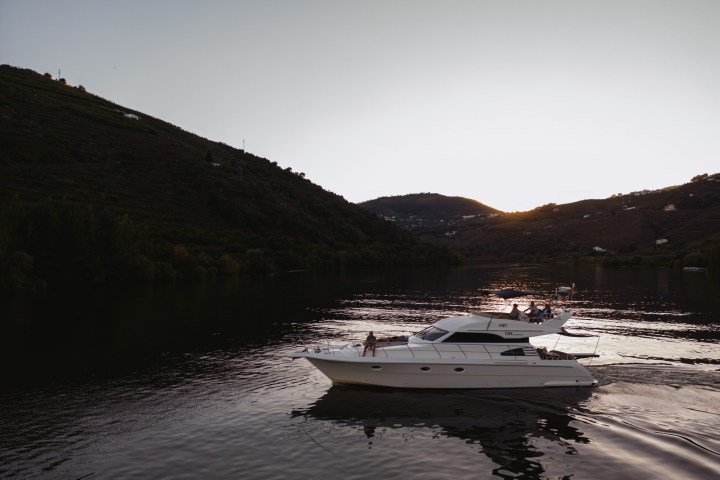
(533, 311)
(370, 342)
(546, 312)
(515, 313)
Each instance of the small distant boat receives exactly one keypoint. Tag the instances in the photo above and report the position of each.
(563, 294)
(479, 350)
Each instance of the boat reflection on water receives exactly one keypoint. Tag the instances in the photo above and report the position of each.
(515, 428)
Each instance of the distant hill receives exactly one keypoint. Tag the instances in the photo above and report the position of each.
(94, 192)
(678, 225)
(427, 210)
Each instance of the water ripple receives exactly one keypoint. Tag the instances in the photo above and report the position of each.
(243, 410)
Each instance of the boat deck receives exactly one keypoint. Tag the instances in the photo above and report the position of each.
(452, 351)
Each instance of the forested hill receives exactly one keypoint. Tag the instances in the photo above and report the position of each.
(93, 192)
(427, 209)
(674, 226)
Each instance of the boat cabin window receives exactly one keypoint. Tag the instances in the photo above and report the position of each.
(472, 337)
(517, 352)
(431, 333)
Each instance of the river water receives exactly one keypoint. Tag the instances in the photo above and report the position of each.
(191, 382)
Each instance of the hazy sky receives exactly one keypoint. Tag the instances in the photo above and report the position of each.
(513, 103)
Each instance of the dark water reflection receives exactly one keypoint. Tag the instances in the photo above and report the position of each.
(75, 333)
(120, 327)
(504, 425)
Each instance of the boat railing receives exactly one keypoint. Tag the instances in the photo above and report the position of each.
(422, 350)
(401, 350)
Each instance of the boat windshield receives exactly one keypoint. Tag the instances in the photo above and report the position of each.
(472, 337)
(431, 333)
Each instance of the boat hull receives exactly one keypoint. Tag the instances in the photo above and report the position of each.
(451, 375)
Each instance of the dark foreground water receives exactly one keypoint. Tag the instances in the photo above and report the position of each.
(89, 396)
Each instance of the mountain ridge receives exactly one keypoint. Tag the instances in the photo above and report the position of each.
(676, 225)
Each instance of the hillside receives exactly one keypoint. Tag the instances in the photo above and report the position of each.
(91, 191)
(677, 225)
(427, 210)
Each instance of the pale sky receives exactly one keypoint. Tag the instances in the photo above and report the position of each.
(514, 103)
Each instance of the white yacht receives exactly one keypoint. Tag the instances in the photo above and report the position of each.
(480, 350)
